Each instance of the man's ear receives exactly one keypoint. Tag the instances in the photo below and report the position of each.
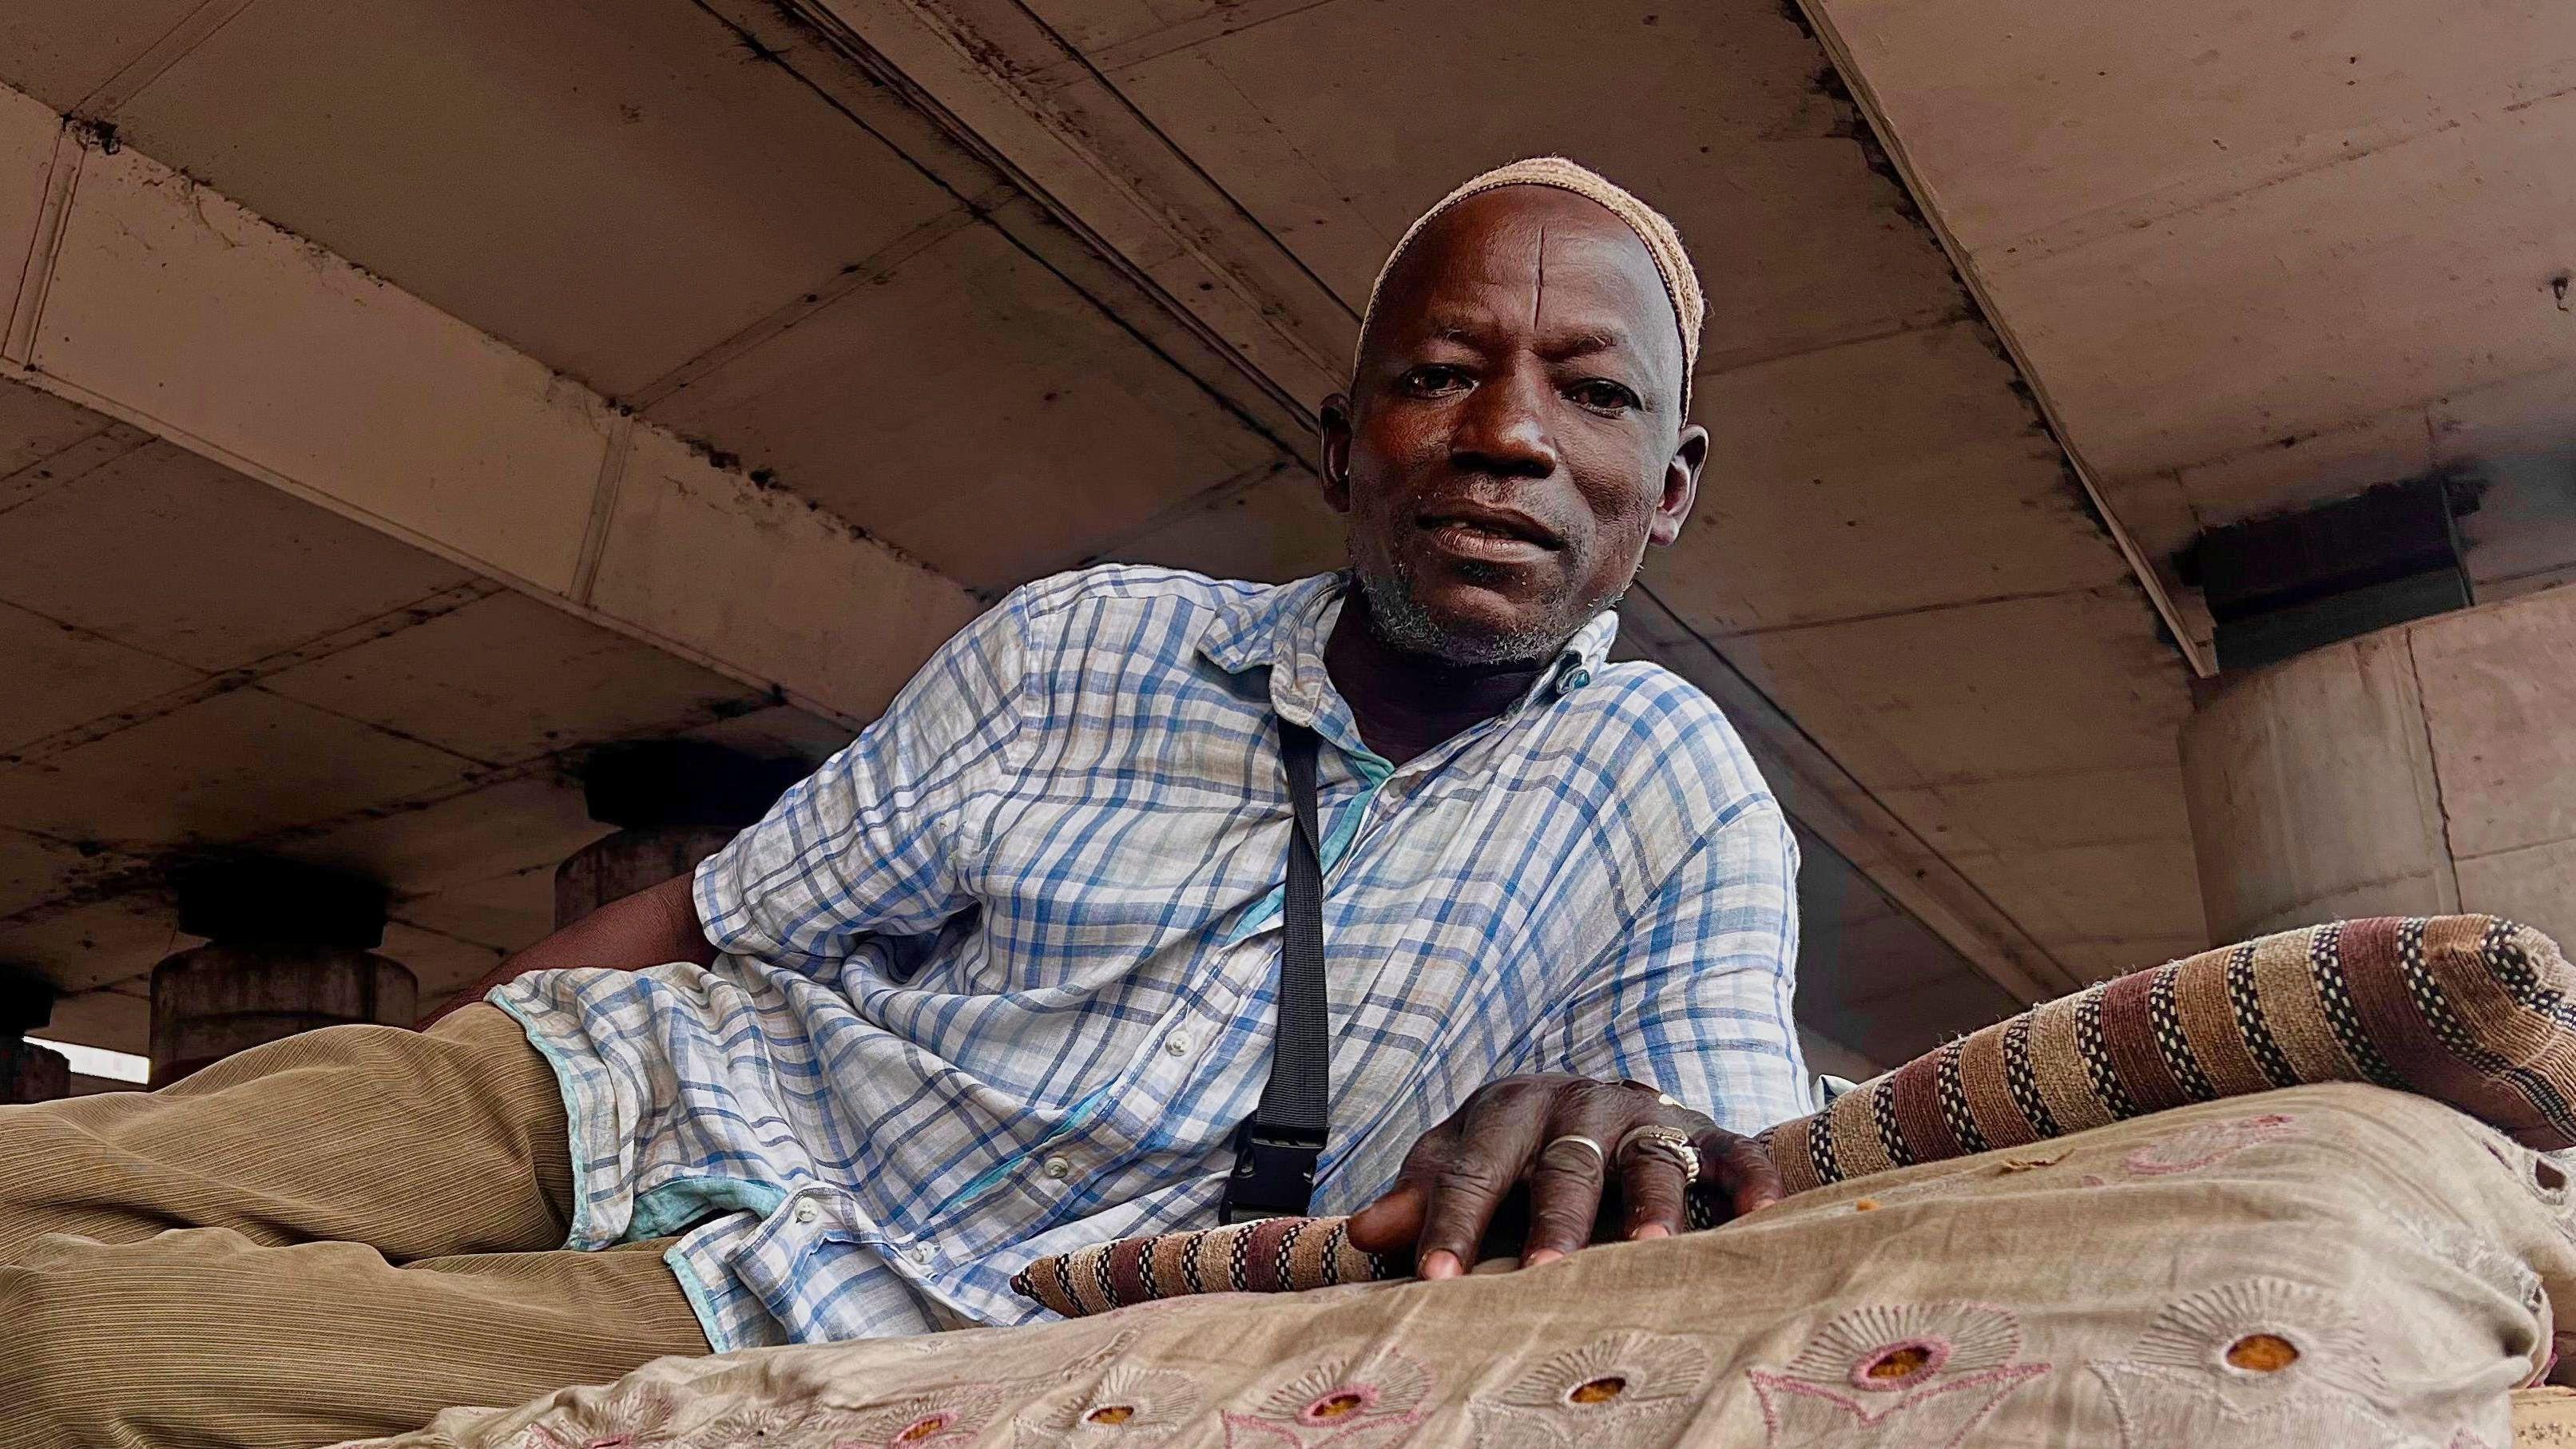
(1333, 431)
(1681, 485)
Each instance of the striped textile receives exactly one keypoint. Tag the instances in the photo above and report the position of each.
(1274, 1255)
(2471, 1011)
(2468, 1010)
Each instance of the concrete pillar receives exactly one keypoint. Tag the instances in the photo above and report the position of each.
(674, 803)
(2422, 769)
(291, 949)
(28, 1072)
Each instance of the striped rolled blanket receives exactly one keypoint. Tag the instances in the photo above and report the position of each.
(2472, 1011)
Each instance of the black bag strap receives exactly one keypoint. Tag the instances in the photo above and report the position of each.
(1274, 1154)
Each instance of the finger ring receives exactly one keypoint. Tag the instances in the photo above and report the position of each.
(1670, 1143)
(1599, 1157)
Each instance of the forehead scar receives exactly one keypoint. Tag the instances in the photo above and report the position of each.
(1538, 289)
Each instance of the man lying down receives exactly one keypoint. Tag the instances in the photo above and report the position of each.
(1003, 977)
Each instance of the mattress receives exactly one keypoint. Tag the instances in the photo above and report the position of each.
(2318, 1268)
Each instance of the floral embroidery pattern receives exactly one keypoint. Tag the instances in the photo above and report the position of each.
(1128, 1409)
(760, 1425)
(1622, 1389)
(947, 1419)
(2206, 1145)
(822, 1413)
(650, 1419)
(1916, 1374)
(1369, 1403)
(2481, 1258)
(2544, 1175)
(637, 1416)
(2262, 1360)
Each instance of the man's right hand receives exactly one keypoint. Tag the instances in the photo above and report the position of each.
(1568, 1141)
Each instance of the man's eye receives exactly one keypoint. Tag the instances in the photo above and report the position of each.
(1604, 395)
(1433, 380)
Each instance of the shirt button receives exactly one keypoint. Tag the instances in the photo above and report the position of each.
(920, 1253)
(806, 1212)
(1057, 1168)
(1577, 677)
(1177, 1044)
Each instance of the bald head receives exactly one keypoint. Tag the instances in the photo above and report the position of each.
(1515, 435)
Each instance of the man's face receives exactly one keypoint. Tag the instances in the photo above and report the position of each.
(1513, 438)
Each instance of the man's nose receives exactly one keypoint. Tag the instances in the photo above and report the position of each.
(1503, 429)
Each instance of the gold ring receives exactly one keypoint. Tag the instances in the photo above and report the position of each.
(1670, 1143)
(1599, 1157)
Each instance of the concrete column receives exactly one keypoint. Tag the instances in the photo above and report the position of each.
(674, 803)
(28, 1072)
(2422, 769)
(291, 949)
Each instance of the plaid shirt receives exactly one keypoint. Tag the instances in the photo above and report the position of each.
(998, 979)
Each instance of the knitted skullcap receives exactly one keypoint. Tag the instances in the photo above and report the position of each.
(1672, 260)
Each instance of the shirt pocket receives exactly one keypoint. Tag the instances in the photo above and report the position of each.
(1085, 889)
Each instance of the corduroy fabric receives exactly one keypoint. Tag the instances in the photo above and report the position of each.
(337, 1234)
(1662, 241)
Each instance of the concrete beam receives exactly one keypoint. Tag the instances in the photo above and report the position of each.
(997, 79)
(154, 300)
(2189, 627)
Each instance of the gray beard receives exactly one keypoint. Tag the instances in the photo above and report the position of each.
(1408, 628)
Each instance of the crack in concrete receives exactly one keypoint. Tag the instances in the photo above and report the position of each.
(2098, 591)
(2427, 405)
(321, 646)
(2433, 768)
(2112, 219)
(1152, 45)
(120, 441)
(874, 269)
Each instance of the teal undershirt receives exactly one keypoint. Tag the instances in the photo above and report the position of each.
(1337, 842)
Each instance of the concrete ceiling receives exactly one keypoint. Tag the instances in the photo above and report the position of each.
(2258, 256)
(628, 194)
(202, 661)
(1009, 287)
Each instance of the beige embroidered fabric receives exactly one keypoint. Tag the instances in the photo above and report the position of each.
(2320, 1268)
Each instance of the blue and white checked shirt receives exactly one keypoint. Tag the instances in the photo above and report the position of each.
(998, 979)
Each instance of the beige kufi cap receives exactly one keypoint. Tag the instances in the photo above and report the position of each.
(1672, 261)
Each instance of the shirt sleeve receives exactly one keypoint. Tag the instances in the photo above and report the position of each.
(880, 838)
(1695, 997)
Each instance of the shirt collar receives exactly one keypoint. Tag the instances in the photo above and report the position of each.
(1245, 633)
(1286, 627)
(1583, 655)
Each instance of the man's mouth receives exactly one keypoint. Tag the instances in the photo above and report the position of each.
(1495, 535)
